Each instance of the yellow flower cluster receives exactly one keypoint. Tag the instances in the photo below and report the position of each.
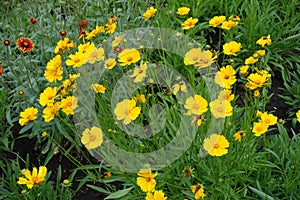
(33, 179)
(232, 21)
(263, 124)
(198, 58)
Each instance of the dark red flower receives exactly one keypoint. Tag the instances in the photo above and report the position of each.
(83, 24)
(25, 44)
(6, 42)
(33, 20)
(63, 33)
(1, 69)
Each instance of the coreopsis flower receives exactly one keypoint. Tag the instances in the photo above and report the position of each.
(25, 44)
(127, 111)
(6, 42)
(196, 105)
(95, 32)
(146, 180)
(261, 53)
(157, 195)
(264, 40)
(238, 135)
(250, 61)
(139, 98)
(257, 80)
(33, 179)
(198, 191)
(256, 93)
(110, 28)
(234, 18)
(198, 58)
(69, 104)
(181, 86)
(50, 111)
(216, 145)
(62, 45)
(29, 114)
(92, 138)
(129, 56)
(220, 108)
(259, 128)
(225, 77)
(98, 88)
(44, 134)
(183, 11)
(216, 21)
(258, 113)
(76, 60)
(268, 119)
(225, 95)
(54, 70)
(47, 96)
(149, 13)
(227, 25)
(139, 73)
(244, 69)
(117, 40)
(107, 174)
(110, 63)
(96, 55)
(232, 48)
(298, 115)
(189, 23)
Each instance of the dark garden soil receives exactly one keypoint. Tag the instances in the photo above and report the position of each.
(25, 146)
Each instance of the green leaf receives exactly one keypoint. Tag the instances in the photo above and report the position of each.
(118, 194)
(261, 194)
(99, 189)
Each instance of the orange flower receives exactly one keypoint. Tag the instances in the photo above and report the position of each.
(25, 44)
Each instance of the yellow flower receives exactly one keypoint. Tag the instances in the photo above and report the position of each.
(117, 40)
(48, 96)
(196, 105)
(76, 60)
(139, 73)
(95, 32)
(256, 93)
(54, 70)
(62, 45)
(259, 128)
(183, 11)
(86, 47)
(220, 109)
(157, 195)
(107, 174)
(149, 13)
(146, 180)
(98, 88)
(238, 135)
(268, 119)
(225, 77)
(139, 98)
(95, 55)
(129, 56)
(110, 28)
(198, 58)
(216, 21)
(50, 111)
(198, 191)
(264, 40)
(198, 118)
(181, 86)
(189, 23)
(232, 48)
(29, 114)
(256, 80)
(216, 145)
(110, 63)
(234, 18)
(225, 95)
(298, 115)
(250, 61)
(227, 25)
(92, 138)
(69, 104)
(258, 113)
(44, 134)
(244, 69)
(126, 110)
(261, 53)
(36, 178)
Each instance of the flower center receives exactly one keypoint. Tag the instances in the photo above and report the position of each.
(216, 146)
(148, 179)
(92, 138)
(25, 44)
(226, 77)
(141, 71)
(220, 109)
(129, 59)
